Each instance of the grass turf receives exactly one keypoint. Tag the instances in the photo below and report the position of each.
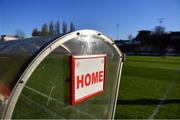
(54, 72)
(144, 81)
(143, 84)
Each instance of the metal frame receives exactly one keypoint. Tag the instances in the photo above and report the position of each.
(117, 85)
(10, 105)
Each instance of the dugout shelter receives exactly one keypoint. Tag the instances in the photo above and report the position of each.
(72, 76)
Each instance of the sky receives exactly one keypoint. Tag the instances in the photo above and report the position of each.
(101, 15)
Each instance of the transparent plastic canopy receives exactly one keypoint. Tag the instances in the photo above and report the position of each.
(35, 78)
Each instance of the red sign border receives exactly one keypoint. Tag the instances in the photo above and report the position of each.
(73, 58)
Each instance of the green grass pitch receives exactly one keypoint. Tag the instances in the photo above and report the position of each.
(150, 88)
(53, 74)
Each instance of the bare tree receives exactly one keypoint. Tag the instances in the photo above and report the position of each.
(20, 34)
(72, 27)
(51, 28)
(64, 27)
(158, 30)
(57, 27)
(130, 37)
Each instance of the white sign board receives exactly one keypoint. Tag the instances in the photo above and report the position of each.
(88, 77)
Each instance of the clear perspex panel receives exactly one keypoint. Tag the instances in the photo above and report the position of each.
(47, 93)
(14, 57)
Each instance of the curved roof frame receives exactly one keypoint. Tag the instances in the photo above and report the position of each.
(9, 107)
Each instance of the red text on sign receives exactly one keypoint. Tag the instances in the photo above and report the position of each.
(89, 79)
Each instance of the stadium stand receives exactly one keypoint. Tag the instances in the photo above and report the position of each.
(148, 43)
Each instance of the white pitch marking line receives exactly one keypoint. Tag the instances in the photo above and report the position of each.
(59, 102)
(156, 110)
(48, 101)
(40, 106)
(38, 92)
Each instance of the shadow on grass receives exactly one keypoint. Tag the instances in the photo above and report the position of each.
(160, 61)
(148, 102)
